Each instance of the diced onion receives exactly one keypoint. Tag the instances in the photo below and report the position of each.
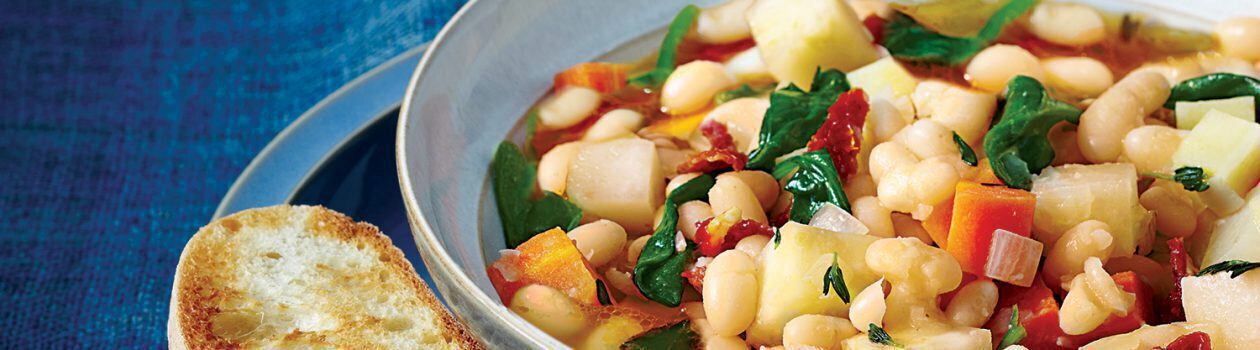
(1013, 258)
(832, 218)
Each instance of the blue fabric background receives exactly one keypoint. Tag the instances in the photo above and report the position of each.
(123, 123)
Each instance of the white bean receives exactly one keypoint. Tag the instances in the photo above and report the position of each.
(690, 214)
(742, 118)
(599, 241)
(730, 292)
(691, 87)
(553, 167)
(1105, 291)
(731, 192)
(1079, 314)
(860, 185)
(1172, 208)
(957, 108)
(896, 189)
(635, 248)
(752, 245)
(1067, 24)
(885, 120)
(888, 155)
(906, 226)
(927, 138)
(994, 66)
(762, 184)
(934, 180)
(678, 181)
(869, 306)
(549, 310)
(1066, 259)
(874, 215)
(1238, 37)
(1078, 76)
(817, 332)
(1150, 147)
(616, 123)
(974, 303)
(568, 107)
(1119, 110)
(724, 23)
(747, 66)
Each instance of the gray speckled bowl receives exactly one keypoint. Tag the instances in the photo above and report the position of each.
(486, 68)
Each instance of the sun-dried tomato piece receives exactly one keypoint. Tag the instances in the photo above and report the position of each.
(841, 133)
(782, 218)
(713, 160)
(1179, 260)
(695, 276)
(875, 25)
(714, 243)
(1192, 341)
(717, 135)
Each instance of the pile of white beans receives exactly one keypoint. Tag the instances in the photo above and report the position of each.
(912, 166)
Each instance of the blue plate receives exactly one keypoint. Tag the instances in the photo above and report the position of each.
(340, 154)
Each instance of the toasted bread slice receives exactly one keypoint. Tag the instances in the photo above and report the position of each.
(303, 277)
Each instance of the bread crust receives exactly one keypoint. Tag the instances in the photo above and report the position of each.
(199, 279)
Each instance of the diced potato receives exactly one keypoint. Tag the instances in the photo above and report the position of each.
(619, 180)
(791, 277)
(1070, 194)
(1238, 236)
(883, 78)
(1189, 113)
(1226, 147)
(1231, 303)
(796, 37)
(1150, 337)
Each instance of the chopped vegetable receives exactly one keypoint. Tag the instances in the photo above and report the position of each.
(1180, 261)
(676, 337)
(1014, 332)
(877, 335)
(832, 218)
(1013, 258)
(938, 222)
(841, 133)
(1039, 316)
(602, 77)
(813, 184)
(1229, 149)
(741, 91)
(658, 274)
(723, 155)
(712, 243)
(1234, 267)
(911, 41)
(834, 279)
(795, 37)
(968, 155)
(667, 57)
(1189, 113)
(1070, 194)
(1214, 86)
(1017, 145)
(1142, 312)
(549, 258)
(1192, 341)
(979, 211)
(1237, 236)
(794, 116)
(521, 216)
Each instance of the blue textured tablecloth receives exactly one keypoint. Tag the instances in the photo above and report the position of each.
(123, 123)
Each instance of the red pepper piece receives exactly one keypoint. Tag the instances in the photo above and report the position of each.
(712, 244)
(1192, 341)
(841, 133)
(1038, 314)
(1179, 259)
(875, 25)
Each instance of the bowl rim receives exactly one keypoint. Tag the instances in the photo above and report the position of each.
(434, 253)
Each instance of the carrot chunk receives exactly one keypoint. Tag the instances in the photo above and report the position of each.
(550, 259)
(979, 210)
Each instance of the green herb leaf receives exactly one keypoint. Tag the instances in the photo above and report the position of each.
(1014, 332)
(1235, 267)
(676, 337)
(777, 237)
(601, 293)
(911, 41)
(813, 184)
(739, 92)
(834, 279)
(877, 335)
(1017, 145)
(1192, 178)
(522, 216)
(1214, 86)
(968, 155)
(658, 274)
(794, 116)
(668, 54)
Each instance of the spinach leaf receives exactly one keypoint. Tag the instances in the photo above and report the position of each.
(658, 274)
(813, 184)
(1017, 145)
(911, 41)
(739, 92)
(1214, 86)
(794, 116)
(522, 216)
(668, 56)
(676, 337)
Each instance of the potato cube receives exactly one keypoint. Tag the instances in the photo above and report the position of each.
(796, 37)
(1070, 194)
(1227, 148)
(1231, 303)
(1237, 237)
(884, 78)
(1189, 113)
(619, 180)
